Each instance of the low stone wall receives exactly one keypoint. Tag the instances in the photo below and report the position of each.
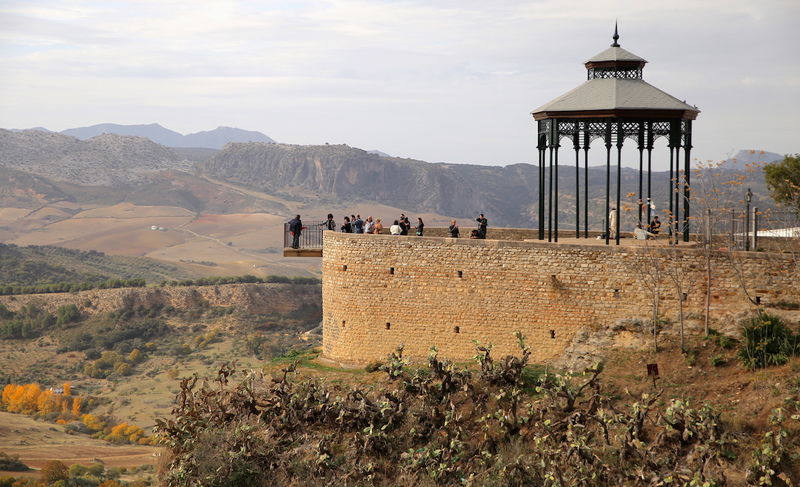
(382, 291)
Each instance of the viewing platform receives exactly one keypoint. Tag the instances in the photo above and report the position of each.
(310, 243)
(770, 231)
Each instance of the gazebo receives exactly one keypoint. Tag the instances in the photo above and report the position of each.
(614, 104)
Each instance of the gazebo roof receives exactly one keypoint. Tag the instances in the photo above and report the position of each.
(615, 94)
(615, 88)
(615, 53)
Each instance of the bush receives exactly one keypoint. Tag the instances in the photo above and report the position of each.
(718, 360)
(11, 463)
(766, 341)
(68, 313)
(447, 426)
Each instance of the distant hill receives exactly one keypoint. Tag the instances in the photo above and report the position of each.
(40, 129)
(210, 139)
(106, 159)
(750, 156)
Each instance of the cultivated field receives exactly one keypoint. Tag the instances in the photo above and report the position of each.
(244, 240)
(37, 442)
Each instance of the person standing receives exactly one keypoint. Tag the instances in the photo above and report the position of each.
(396, 229)
(295, 228)
(369, 225)
(328, 224)
(420, 227)
(402, 223)
(612, 223)
(453, 229)
(483, 223)
(378, 227)
(358, 224)
(347, 227)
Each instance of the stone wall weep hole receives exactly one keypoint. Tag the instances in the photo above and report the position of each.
(380, 291)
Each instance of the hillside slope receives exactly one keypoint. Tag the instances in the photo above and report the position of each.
(33, 265)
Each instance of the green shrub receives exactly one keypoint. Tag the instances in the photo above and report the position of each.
(766, 341)
(718, 360)
(726, 342)
(11, 463)
(67, 313)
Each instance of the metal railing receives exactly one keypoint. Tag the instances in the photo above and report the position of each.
(778, 223)
(744, 230)
(310, 236)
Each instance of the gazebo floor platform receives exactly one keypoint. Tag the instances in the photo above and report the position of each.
(290, 252)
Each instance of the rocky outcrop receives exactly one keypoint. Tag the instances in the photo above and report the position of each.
(106, 160)
(341, 173)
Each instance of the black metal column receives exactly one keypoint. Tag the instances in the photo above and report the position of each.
(671, 184)
(550, 184)
(586, 143)
(649, 169)
(542, 145)
(641, 154)
(555, 193)
(608, 178)
(676, 191)
(687, 150)
(577, 145)
(620, 141)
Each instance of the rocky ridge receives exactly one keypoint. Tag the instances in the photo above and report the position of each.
(105, 160)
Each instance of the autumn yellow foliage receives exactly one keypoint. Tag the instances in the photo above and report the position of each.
(32, 399)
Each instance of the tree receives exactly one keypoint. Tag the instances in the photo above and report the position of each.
(53, 471)
(783, 181)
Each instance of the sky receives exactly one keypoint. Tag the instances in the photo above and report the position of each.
(441, 81)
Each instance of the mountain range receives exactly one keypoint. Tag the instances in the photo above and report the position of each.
(210, 139)
(327, 175)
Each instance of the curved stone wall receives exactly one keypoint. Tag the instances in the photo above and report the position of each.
(380, 291)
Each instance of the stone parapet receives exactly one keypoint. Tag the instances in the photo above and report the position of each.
(380, 291)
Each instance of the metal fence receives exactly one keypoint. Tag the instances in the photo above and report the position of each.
(777, 223)
(310, 236)
(743, 230)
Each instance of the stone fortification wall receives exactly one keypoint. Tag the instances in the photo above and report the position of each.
(250, 298)
(382, 291)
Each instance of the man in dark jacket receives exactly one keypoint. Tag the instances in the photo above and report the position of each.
(482, 224)
(347, 227)
(295, 228)
(403, 225)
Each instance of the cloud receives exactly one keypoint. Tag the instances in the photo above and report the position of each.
(443, 80)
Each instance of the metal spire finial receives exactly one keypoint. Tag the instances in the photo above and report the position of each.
(616, 36)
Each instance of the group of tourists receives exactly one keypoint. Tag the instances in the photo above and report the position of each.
(401, 226)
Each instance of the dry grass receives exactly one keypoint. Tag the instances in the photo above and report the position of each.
(36, 443)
